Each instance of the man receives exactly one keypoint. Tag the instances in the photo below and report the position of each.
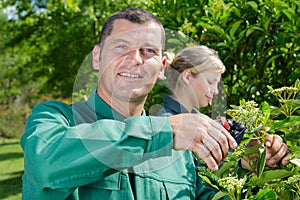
(91, 150)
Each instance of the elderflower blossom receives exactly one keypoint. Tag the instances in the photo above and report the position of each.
(247, 113)
(292, 182)
(284, 93)
(236, 154)
(232, 184)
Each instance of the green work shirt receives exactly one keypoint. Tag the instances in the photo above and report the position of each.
(89, 151)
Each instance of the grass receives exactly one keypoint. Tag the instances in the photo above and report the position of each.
(11, 168)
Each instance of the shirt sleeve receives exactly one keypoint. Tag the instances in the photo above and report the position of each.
(59, 154)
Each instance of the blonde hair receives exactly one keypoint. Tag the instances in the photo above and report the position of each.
(197, 59)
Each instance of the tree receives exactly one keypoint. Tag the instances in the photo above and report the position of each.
(45, 43)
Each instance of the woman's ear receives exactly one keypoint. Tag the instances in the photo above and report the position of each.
(96, 57)
(161, 74)
(186, 75)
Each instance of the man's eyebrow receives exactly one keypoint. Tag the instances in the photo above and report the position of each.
(120, 40)
(147, 44)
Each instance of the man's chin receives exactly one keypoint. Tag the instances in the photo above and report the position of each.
(131, 96)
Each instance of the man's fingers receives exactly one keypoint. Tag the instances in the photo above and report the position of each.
(217, 143)
(203, 136)
(215, 149)
(224, 132)
(203, 152)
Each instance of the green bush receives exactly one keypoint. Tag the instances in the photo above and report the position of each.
(257, 40)
(13, 119)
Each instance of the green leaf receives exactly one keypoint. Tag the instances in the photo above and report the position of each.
(289, 14)
(268, 176)
(267, 24)
(272, 58)
(293, 119)
(234, 27)
(265, 108)
(219, 195)
(207, 181)
(212, 178)
(297, 84)
(203, 24)
(292, 137)
(264, 194)
(261, 162)
(224, 168)
(218, 29)
(251, 29)
(260, 43)
(274, 174)
(253, 4)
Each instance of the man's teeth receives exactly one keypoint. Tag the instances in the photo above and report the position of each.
(129, 75)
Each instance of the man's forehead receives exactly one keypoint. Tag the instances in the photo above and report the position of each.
(149, 36)
(123, 24)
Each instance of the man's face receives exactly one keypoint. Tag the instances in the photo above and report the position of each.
(130, 61)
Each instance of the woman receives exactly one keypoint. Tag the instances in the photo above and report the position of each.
(193, 76)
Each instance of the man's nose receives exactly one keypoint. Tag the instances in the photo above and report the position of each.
(135, 57)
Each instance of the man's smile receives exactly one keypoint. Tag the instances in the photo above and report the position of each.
(129, 75)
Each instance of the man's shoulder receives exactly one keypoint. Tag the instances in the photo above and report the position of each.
(52, 104)
(75, 112)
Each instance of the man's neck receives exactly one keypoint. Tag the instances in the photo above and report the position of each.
(126, 108)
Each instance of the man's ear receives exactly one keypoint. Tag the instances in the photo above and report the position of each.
(96, 57)
(161, 74)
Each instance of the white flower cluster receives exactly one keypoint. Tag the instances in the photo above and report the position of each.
(232, 183)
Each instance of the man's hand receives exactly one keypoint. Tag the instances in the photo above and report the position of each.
(277, 151)
(203, 136)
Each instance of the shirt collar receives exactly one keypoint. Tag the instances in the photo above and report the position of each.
(102, 109)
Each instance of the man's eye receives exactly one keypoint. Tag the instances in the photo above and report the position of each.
(121, 46)
(148, 51)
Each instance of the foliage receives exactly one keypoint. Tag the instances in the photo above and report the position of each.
(12, 120)
(262, 182)
(257, 40)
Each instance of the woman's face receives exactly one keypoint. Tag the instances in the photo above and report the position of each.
(205, 86)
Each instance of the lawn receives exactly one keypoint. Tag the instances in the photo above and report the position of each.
(11, 169)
